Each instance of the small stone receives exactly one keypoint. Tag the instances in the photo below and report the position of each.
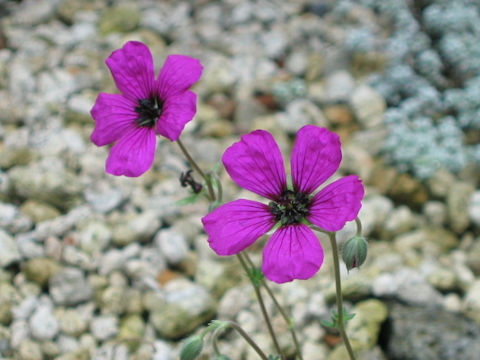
(187, 306)
(39, 211)
(339, 86)
(9, 253)
(400, 221)
(441, 182)
(472, 301)
(435, 212)
(104, 327)
(43, 323)
(30, 350)
(71, 322)
(69, 287)
(39, 270)
(338, 114)
(408, 190)
(113, 300)
(95, 237)
(474, 208)
(121, 18)
(365, 326)
(369, 106)
(413, 289)
(300, 112)
(172, 245)
(136, 227)
(131, 330)
(457, 197)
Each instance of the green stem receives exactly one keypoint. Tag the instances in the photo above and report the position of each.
(250, 341)
(338, 288)
(194, 165)
(262, 305)
(359, 226)
(287, 319)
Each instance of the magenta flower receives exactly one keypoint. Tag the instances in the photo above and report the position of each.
(255, 163)
(146, 106)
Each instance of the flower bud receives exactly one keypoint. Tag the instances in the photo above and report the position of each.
(354, 252)
(191, 348)
(221, 357)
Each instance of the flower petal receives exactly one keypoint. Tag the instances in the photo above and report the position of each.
(255, 163)
(236, 225)
(178, 74)
(293, 252)
(316, 155)
(114, 115)
(176, 112)
(133, 154)
(337, 203)
(132, 69)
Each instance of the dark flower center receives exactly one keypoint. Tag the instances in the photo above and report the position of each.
(149, 110)
(290, 207)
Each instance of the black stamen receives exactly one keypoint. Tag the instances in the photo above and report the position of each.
(149, 110)
(291, 207)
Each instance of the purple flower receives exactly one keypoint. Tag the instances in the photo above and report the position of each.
(146, 106)
(255, 163)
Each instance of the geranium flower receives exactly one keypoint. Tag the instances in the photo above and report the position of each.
(255, 163)
(146, 106)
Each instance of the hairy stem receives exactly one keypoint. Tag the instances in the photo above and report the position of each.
(287, 319)
(262, 305)
(338, 288)
(194, 165)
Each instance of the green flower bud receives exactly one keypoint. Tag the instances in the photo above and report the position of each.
(191, 348)
(354, 252)
(221, 357)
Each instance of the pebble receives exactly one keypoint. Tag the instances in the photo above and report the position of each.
(69, 287)
(368, 106)
(43, 323)
(474, 208)
(172, 245)
(9, 253)
(104, 327)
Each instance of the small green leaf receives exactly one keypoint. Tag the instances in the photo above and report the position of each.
(256, 276)
(191, 199)
(328, 323)
(274, 357)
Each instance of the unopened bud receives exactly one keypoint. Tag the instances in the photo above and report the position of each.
(191, 348)
(354, 252)
(221, 357)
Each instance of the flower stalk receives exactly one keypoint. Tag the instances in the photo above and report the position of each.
(240, 257)
(338, 288)
(280, 309)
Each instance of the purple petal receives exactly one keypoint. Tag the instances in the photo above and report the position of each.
(236, 225)
(176, 112)
(178, 74)
(132, 69)
(114, 116)
(337, 203)
(133, 154)
(316, 155)
(255, 163)
(293, 252)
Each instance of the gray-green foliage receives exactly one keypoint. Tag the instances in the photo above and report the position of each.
(432, 83)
